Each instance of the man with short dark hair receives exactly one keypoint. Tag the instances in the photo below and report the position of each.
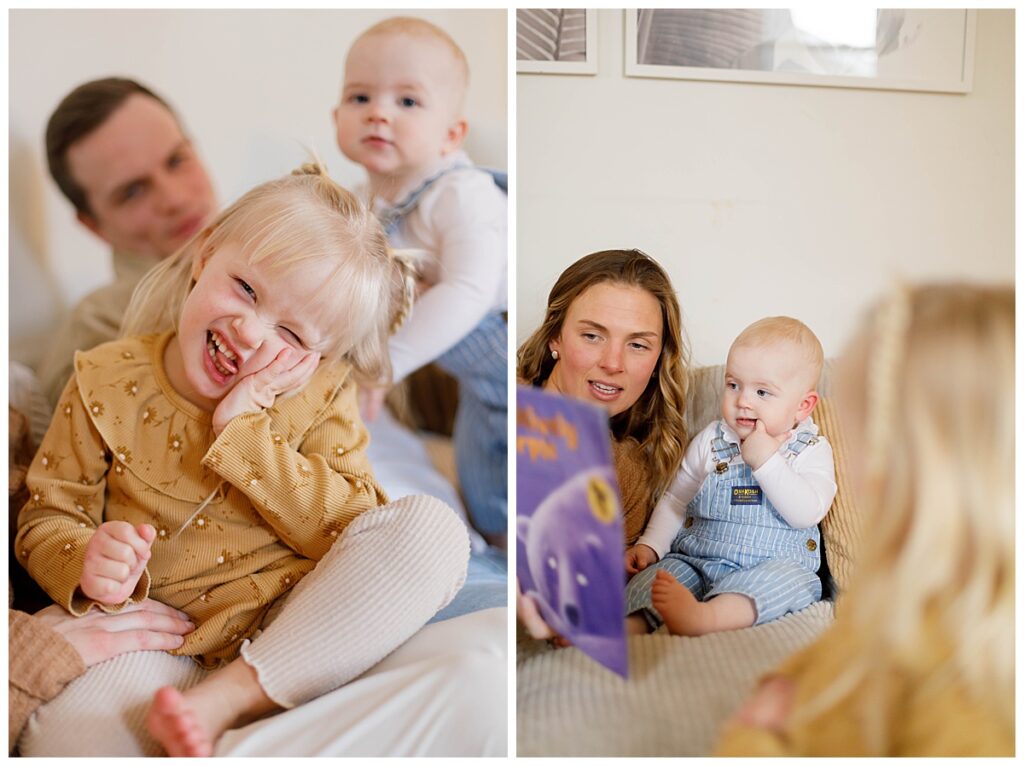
(119, 154)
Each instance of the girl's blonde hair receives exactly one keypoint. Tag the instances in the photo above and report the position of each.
(933, 588)
(293, 220)
(656, 419)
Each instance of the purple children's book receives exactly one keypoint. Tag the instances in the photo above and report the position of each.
(569, 523)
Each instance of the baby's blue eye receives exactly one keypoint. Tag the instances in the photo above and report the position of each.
(762, 393)
(407, 101)
(360, 98)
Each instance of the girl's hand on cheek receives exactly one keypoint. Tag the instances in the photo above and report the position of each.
(257, 391)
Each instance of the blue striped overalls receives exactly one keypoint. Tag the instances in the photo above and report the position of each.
(734, 541)
(480, 363)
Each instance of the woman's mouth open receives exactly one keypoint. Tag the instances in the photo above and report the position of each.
(223, 361)
(605, 392)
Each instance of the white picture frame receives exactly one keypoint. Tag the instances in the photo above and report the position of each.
(537, 44)
(924, 50)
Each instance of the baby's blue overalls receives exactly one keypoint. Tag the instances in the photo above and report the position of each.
(734, 541)
(479, 362)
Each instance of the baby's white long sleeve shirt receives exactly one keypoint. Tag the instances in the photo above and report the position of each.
(459, 226)
(800, 486)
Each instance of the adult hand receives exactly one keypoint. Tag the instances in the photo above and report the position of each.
(115, 558)
(639, 557)
(371, 400)
(760, 445)
(98, 636)
(258, 390)
(768, 707)
(529, 615)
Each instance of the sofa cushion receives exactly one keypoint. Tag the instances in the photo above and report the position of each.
(839, 530)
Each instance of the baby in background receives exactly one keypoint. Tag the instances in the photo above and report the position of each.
(734, 541)
(400, 117)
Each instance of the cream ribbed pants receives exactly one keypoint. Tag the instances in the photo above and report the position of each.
(391, 571)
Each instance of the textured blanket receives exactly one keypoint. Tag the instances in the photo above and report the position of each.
(680, 690)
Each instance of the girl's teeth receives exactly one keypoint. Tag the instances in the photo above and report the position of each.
(219, 342)
(212, 346)
(605, 389)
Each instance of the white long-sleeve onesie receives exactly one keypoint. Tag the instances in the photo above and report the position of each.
(460, 224)
(800, 486)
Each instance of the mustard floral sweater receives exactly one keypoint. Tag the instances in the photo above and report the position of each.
(123, 445)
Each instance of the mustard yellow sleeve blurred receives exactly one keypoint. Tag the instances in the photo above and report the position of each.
(888, 717)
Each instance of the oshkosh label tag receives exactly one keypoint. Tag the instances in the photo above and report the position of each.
(746, 496)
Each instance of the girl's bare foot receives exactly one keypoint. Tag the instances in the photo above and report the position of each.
(680, 610)
(173, 723)
(190, 723)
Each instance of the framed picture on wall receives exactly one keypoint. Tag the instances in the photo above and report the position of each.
(832, 45)
(556, 41)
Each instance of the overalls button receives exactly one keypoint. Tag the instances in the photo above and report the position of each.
(721, 468)
(811, 545)
(689, 522)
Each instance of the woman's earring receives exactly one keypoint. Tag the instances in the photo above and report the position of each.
(554, 354)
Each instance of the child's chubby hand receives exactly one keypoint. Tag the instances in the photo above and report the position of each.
(760, 445)
(638, 557)
(288, 371)
(115, 558)
(768, 707)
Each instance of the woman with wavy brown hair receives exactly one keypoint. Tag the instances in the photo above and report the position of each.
(612, 336)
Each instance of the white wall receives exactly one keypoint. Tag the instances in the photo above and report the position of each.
(766, 199)
(254, 89)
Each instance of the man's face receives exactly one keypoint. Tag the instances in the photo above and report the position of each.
(147, 190)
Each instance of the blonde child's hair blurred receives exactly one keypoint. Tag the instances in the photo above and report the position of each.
(782, 329)
(287, 222)
(414, 27)
(933, 587)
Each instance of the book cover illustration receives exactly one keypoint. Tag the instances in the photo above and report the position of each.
(569, 523)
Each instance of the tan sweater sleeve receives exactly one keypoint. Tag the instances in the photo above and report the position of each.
(323, 485)
(66, 484)
(41, 663)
